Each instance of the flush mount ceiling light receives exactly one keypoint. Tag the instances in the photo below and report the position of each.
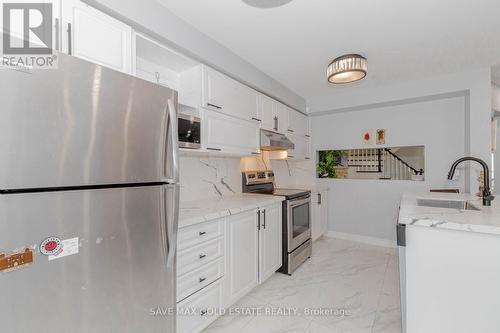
(347, 68)
(266, 3)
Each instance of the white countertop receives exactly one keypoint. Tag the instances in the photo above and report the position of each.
(486, 220)
(193, 212)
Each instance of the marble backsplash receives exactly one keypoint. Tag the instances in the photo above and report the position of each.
(207, 176)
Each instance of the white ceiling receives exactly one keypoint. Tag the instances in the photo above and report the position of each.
(403, 40)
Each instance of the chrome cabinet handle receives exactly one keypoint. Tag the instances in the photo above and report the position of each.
(258, 220)
(256, 119)
(202, 233)
(214, 106)
(70, 42)
(202, 279)
(56, 28)
(291, 131)
(275, 123)
(264, 223)
(202, 256)
(319, 199)
(214, 149)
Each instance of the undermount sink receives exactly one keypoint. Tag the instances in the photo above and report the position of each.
(452, 204)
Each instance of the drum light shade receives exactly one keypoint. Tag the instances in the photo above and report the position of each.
(347, 68)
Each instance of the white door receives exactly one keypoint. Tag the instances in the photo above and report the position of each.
(242, 255)
(229, 134)
(270, 241)
(90, 34)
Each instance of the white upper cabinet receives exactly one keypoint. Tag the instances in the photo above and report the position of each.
(228, 134)
(90, 34)
(266, 112)
(274, 115)
(281, 118)
(301, 149)
(297, 123)
(308, 148)
(223, 94)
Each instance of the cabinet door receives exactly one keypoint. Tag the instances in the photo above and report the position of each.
(94, 36)
(242, 255)
(300, 150)
(308, 148)
(316, 221)
(324, 212)
(223, 94)
(266, 112)
(217, 90)
(270, 241)
(229, 134)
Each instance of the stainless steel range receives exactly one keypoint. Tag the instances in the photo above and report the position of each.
(297, 244)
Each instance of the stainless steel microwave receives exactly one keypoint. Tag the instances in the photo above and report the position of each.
(189, 131)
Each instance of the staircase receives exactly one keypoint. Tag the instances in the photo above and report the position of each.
(380, 163)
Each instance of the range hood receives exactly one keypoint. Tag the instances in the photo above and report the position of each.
(274, 141)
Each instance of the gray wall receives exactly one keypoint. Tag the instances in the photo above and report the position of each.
(155, 20)
(370, 207)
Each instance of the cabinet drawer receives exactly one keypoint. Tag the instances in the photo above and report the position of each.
(206, 303)
(193, 258)
(191, 282)
(199, 233)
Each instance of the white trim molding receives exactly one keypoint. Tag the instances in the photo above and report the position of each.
(361, 239)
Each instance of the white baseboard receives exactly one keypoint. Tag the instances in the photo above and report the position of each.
(361, 239)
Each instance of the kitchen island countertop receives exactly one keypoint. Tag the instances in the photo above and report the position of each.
(485, 220)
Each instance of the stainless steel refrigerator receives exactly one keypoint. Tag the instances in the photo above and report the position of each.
(88, 201)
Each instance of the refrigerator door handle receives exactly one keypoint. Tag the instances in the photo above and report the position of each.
(172, 226)
(172, 174)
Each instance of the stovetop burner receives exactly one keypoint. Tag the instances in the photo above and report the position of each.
(262, 182)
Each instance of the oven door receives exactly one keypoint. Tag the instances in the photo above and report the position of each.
(299, 222)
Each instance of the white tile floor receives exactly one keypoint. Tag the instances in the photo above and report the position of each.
(360, 279)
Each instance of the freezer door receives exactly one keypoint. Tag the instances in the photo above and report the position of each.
(121, 280)
(83, 124)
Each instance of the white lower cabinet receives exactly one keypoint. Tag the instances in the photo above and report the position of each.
(229, 134)
(270, 241)
(242, 260)
(319, 214)
(210, 278)
(200, 270)
(205, 305)
(253, 250)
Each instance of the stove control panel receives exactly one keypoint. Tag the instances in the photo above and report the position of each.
(258, 177)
